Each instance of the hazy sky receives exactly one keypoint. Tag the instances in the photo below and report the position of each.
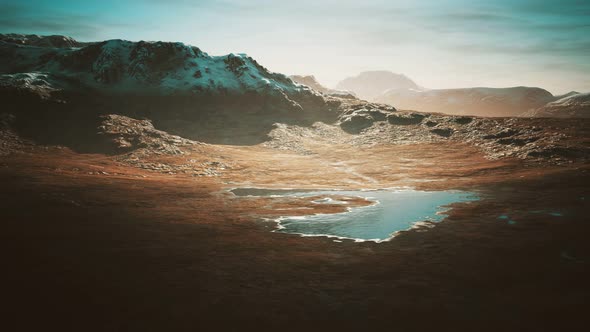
(439, 44)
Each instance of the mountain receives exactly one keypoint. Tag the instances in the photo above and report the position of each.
(40, 41)
(179, 87)
(571, 106)
(312, 82)
(120, 66)
(473, 101)
(112, 95)
(571, 93)
(370, 84)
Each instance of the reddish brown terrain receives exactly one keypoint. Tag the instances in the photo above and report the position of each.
(116, 163)
(95, 243)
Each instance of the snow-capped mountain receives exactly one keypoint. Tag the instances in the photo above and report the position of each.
(143, 68)
(39, 84)
(41, 41)
(60, 89)
(370, 84)
(571, 106)
(473, 101)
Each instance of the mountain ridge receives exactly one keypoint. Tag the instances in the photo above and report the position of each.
(575, 105)
(164, 67)
(312, 82)
(479, 101)
(370, 84)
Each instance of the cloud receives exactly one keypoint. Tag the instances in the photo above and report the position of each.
(556, 48)
(23, 19)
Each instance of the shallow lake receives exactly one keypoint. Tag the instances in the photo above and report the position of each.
(394, 210)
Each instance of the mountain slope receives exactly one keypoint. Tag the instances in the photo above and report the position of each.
(473, 101)
(370, 84)
(54, 41)
(179, 87)
(312, 82)
(121, 66)
(571, 106)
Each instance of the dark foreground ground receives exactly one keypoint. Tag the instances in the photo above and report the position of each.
(88, 244)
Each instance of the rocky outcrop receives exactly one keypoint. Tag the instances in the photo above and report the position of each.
(405, 118)
(355, 120)
(126, 134)
(10, 141)
(444, 132)
(556, 141)
(311, 82)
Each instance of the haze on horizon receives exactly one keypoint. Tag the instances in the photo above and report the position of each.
(438, 44)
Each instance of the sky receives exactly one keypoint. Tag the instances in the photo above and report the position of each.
(438, 44)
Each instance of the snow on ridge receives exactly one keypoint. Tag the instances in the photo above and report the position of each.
(26, 80)
(55, 41)
(40, 84)
(166, 67)
(572, 99)
(572, 106)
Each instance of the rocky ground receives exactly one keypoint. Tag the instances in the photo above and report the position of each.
(359, 124)
(10, 141)
(366, 124)
(143, 234)
(90, 239)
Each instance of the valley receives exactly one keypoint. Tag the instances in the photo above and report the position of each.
(121, 170)
(163, 238)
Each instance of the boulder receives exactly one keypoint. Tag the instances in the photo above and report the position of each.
(405, 119)
(463, 120)
(356, 122)
(444, 132)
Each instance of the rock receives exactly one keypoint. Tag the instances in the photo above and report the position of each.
(312, 82)
(126, 134)
(501, 134)
(378, 115)
(356, 122)
(6, 120)
(516, 141)
(405, 118)
(444, 132)
(463, 120)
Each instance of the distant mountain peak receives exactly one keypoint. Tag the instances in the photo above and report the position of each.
(370, 84)
(483, 101)
(55, 41)
(571, 105)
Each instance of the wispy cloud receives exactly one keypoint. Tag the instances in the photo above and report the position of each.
(430, 39)
(25, 19)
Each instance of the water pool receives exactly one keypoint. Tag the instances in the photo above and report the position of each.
(394, 210)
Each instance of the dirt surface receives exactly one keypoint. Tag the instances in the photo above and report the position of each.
(95, 242)
(117, 215)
